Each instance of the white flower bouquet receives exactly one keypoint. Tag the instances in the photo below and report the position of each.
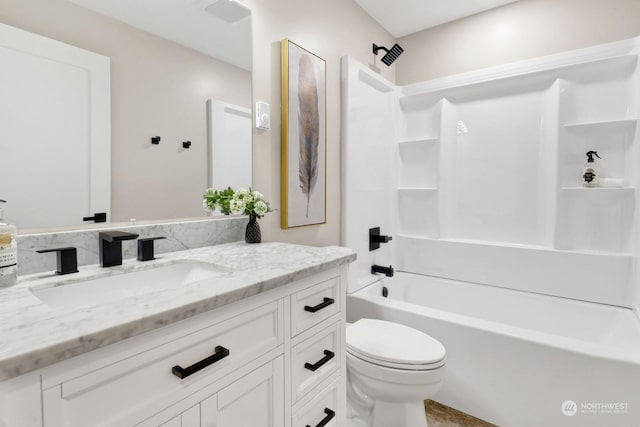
(242, 201)
(247, 202)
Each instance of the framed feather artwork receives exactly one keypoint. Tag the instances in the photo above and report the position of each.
(303, 184)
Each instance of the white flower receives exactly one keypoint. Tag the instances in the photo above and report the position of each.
(258, 195)
(260, 208)
(237, 206)
(241, 193)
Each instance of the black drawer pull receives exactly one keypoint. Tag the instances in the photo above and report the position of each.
(325, 303)
(183, 373)
(325, 420)
(328, 355)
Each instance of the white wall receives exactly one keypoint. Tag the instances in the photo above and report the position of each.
(520, 30)
(329, 29)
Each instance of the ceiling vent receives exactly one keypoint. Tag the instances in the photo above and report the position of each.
(230, 11)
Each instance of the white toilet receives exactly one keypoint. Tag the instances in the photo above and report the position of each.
(391, 369)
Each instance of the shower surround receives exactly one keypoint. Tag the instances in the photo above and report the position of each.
(478, 178)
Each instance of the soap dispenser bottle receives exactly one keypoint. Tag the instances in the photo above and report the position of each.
(589, 174)
(8, 251)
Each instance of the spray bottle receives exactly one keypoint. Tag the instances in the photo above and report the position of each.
(589, 174)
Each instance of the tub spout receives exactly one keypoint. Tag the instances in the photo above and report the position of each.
(387, 271)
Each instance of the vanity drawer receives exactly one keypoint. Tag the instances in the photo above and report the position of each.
(324, 410)
(315, 304)
(118, 393)
(315, 359)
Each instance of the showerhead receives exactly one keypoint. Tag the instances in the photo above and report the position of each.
(391, 55)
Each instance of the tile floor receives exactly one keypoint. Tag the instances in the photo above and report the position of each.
(439, 415)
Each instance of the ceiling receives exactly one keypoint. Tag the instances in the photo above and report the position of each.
(403, 17)
(185, 22)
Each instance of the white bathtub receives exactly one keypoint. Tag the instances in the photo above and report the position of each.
(514, 358)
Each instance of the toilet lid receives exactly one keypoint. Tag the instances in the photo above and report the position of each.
(393, 343)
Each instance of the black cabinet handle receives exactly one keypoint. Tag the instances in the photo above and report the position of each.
(183, 373)
(325, 420)
(326, 302)
(328, 355)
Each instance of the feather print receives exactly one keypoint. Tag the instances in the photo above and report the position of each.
(309, 127)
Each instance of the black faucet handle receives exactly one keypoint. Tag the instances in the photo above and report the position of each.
(97, 217)
(67, 259)
(375, 238)
(146, 248)
(117, 236)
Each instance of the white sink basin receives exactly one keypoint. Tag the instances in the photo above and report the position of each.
(123, 285)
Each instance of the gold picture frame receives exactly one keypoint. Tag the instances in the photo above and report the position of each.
(303, 144)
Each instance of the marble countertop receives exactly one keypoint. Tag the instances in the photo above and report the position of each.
(34, 335)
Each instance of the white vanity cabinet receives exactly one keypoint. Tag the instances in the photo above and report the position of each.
(255, 399)
(275, 359)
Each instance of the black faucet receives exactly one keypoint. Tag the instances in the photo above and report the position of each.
(67, 259)
(387, 271)
(110, 244)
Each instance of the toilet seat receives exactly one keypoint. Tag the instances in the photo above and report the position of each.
(398, 366)
(393, 345)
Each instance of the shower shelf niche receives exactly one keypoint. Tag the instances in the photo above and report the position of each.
(598, 110)
(613, 140)
(601, 93)
(418, 172)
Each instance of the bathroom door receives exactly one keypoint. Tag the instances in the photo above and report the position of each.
(229, 145)
(54, 130)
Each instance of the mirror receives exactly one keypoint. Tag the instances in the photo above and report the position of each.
(167, 60)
